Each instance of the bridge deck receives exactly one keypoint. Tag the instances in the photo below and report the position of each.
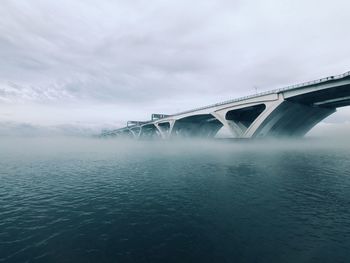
(275, 91)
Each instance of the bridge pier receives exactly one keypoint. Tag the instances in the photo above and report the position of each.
(239, 119)
(136, 131)
(165, 128)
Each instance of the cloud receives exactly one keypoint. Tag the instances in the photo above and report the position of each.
(143, 56)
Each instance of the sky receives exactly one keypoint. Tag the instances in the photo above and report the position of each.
(92, 63)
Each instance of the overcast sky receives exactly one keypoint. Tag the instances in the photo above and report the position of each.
(103, 62)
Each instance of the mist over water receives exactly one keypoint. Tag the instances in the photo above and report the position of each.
(98, 200)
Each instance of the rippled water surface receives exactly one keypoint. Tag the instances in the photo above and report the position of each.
(80, 200)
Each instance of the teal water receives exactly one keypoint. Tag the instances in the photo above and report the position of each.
(81, 200)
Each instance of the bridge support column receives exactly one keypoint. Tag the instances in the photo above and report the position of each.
(239, 120)
(270, 107)
(235, 129)
(136, 131)
(165, 128)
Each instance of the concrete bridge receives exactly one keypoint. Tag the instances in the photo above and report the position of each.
(287, 112)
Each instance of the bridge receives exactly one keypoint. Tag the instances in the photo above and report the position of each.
(286, 112)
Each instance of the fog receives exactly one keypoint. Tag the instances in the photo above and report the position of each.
(79, 147)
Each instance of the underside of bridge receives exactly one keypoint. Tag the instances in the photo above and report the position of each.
(334, 97)
(202, 125)
(292, 119)
(299, 114)
(149, 131)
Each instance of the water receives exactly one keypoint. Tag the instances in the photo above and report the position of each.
(105, 201)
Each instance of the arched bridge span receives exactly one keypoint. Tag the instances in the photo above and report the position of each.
(290, 111)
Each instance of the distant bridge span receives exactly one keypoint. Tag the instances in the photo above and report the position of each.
(290, 111)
